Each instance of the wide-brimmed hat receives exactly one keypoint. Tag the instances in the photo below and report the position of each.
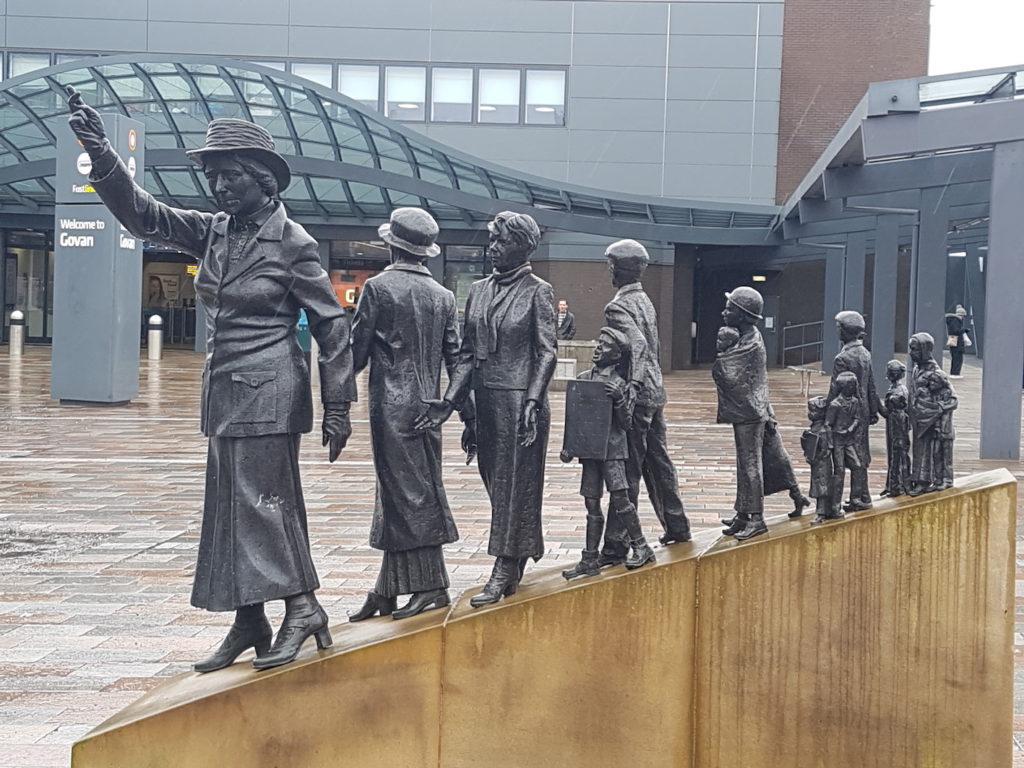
(411, 229)
(227, 134)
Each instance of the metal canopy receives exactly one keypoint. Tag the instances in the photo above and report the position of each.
(351, 165)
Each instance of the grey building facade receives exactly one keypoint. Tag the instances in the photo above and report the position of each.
(677, 100)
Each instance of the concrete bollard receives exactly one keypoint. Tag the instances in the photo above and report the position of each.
(155, 337)
(17, 329)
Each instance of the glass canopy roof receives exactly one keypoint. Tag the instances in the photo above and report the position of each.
(349, 163)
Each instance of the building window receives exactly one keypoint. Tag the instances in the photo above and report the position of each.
(405, 92)
(23, 63)
(463, 266)
(499, 96)
(361, 83)
(451, 95)
(545, 96)
(321, 74)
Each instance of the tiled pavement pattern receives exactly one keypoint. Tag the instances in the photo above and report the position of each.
(99, 518)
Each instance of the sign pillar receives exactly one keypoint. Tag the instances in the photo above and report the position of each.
(97, 278)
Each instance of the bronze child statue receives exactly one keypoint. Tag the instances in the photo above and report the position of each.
(610, 471)
(941, 393)
(843, 424)
(818, 452)
(897, 430)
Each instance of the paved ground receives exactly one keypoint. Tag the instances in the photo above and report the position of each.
(99, 518)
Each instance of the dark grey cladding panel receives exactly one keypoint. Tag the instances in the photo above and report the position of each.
(617, 82)
(373, 45)
(619, 50)
(63, 9)
(49, 33)
(251, 11)
(258, 42)
(621, 17)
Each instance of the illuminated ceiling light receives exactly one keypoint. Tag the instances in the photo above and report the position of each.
(758, 278)
(407, 105)
(543, 109)
(487, 108)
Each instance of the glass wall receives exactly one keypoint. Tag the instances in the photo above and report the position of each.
(28, 283)
(463, 265)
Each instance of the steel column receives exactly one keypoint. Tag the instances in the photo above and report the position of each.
(976, 297)
(929, 281)
(833, 305)
(883, 299)
(853, 280)
(1004, 308)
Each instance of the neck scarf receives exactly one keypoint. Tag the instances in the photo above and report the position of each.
(499, 297)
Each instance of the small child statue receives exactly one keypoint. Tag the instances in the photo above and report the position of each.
(942, 446)
(611, 471)
(843, 421)
(727, 338)
(897, 430)
(818, 452)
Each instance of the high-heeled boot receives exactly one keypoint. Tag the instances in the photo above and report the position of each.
(503, 582)
(374, 605)
(422, 601)
(799, 501)
(303, 617)
(250, 630)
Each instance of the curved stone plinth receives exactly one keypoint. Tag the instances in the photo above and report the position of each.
(881, 640)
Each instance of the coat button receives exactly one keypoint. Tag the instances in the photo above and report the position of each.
(255, 382)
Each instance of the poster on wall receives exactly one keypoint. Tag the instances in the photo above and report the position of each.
(162, 290)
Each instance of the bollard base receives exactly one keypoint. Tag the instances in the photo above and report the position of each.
(94, 402)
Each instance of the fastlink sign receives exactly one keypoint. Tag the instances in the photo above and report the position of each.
(74, 165)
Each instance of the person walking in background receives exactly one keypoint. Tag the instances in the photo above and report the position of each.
(957, 339)
(566, 321)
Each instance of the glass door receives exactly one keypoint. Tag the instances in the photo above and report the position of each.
(28, 273)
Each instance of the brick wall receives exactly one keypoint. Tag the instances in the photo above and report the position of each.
(831, 51)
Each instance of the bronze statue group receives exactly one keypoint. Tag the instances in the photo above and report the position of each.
(258, 268)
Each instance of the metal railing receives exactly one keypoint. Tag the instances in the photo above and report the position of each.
(802, 343)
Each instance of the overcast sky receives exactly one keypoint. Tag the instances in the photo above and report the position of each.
(976, 34)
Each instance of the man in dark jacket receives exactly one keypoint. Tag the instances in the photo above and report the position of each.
(566, 321)
(407, 325)
(631, 313)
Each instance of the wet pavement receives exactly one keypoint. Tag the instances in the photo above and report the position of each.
(100, 512)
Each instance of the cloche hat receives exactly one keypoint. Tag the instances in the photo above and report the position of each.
(228, 134)
(411, 229)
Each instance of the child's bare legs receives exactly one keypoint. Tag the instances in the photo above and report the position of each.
(588, 564)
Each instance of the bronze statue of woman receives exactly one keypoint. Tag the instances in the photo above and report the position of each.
(507, 359)
(257, 269)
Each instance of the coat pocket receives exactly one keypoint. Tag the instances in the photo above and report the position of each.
(254, 397)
